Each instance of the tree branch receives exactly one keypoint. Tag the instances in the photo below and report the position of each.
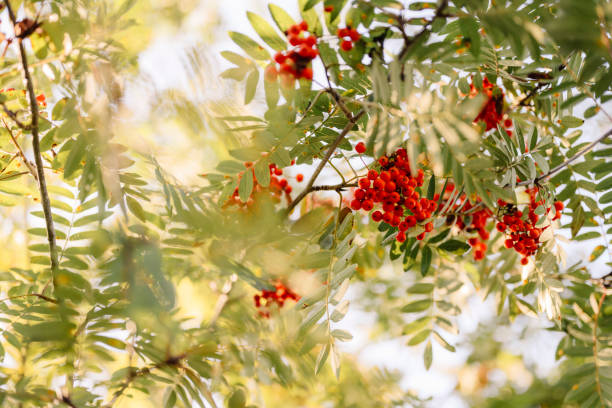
(330, 151)
(335, 187)
(21, 154)
(566, 163)
(42, 184)
(409, 41)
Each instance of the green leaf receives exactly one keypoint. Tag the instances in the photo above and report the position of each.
(262, 173)
(237, 399)
(321, 358)
(266, 32)
(421, 287)
(135, 208)
(417, 306)
(282, 19)
(251, 86)
(455, 246)
(443, 342)
(73, 162)
(251, 47)
(431, 188)
(419, 337)
(599, 249)
(426, 255)
(428, 355)
(571, 121)
(577, 220)
(605, 184)
(245, 188)
(310, 4)
(341, 335)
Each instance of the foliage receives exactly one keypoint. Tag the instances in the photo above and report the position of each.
(461, 120)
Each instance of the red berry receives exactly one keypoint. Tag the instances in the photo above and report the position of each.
(307, 73)
(328, 9)
(479, 255)
(429, 227)
(401, 237)
(367, 205)
(304, 26)
(524, 261)
(346, 45)
(501, 227)
(372, 174)
(355, 36)
(356, 205)
(278, 172)
(299, 178)
(377, 216)
(343, 32)
(420, 236)
(280, 57)
(360, 147)
(558, 205)
(364, 183)
(508, 123)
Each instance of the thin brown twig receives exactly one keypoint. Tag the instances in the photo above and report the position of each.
(410, 41)
(13, 116)
(566, 163)
(20, 150)
(42, 184)
(38, 295)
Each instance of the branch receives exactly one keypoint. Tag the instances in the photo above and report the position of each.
(42, 184)
(567, 162)
(330, 151)
(38, 295)
(336, 187)
(408, 42)
(595, 348)
(171, 361)
(23, 156)
(13, 116)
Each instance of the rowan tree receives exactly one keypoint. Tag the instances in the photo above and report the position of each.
(397, 157)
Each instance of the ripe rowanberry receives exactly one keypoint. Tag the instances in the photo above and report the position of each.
(360, 147)
(346, 45)
(299, 178)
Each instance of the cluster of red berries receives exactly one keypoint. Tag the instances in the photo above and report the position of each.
(294, 63)
(394, 188)
(492, 113)
(524, 236)
(471, 220)
(277, 186)
(278, 296)
(349, 36)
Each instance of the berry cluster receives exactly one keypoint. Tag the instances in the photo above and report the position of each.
(521, 228)
(472, 219)
(277, 186)
(492, 113)
(278, 296)
(394, 187)
(294, 63)
(349, 36)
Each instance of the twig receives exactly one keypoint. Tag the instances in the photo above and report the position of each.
(408, 42)
(335, 187)
(23, 156)
(325, 159)
(38, 295)
(13, 116)
(567, 162)
(42, 184)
